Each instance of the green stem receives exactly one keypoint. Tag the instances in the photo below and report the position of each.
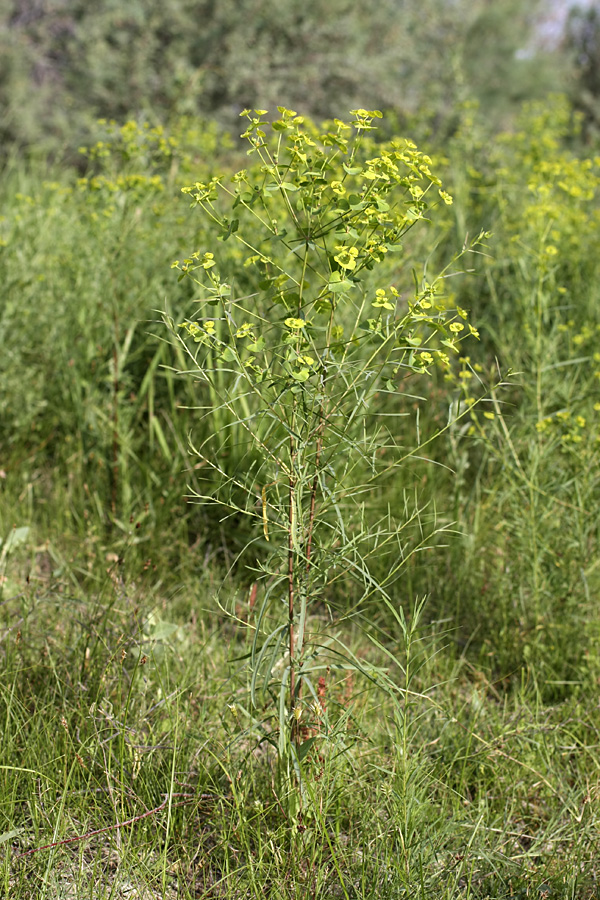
(291, 593)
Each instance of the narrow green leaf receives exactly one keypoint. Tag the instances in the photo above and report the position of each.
(9, 835)
(160, 436)
(228, 355)
(304, 749)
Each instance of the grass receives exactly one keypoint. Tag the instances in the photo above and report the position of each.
(460, 757)
(122, 707)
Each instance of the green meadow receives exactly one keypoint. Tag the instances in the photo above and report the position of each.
(299, 559)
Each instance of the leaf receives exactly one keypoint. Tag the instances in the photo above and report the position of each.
(355, 202)
(160, 436)
(304, 749)
(275, 639)
(412, 214)
(278, 235)
(289, 299)
(16, 537)
(250, 197)
(231, 229)
(301, 374)
(373, 325)
(9, 835)
(162, 631)
(352, 170)
(257, 345)
(283, 730)
(288, 186)
(349, 234)
(336, 287)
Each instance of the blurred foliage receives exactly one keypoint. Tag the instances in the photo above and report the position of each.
(503, 62)
(526, 474)
(583, 43)
(65, 63)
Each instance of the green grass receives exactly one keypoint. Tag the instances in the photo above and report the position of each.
(124, 700)
(459, 759)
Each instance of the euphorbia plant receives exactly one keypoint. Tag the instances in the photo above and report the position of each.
(301, 367)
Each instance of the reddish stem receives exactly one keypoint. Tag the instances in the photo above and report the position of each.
(115, 445)
(291, 606)
(89, 834)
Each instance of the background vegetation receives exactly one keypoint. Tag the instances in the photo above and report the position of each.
(66, 63)
(125, 608)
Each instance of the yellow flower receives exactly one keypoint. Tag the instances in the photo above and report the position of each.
(381, 300)
(346, 257)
